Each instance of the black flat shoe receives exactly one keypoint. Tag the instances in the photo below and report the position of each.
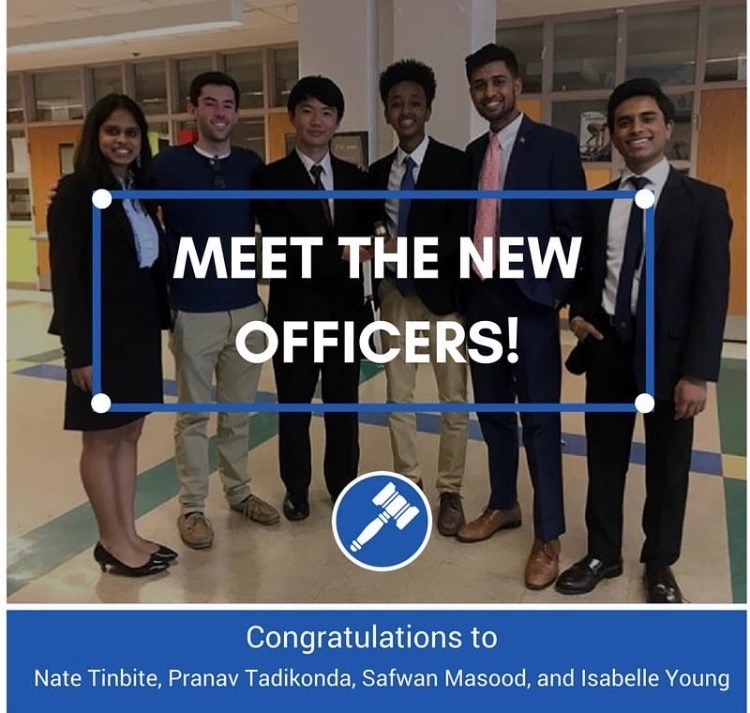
(294, 511)
(105, 559)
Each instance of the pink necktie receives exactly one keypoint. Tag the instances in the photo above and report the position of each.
(485, 225)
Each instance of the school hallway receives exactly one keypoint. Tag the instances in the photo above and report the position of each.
(51, 530)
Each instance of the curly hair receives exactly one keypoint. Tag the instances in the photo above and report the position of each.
(408, 70)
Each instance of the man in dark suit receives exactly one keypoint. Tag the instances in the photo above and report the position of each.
(407, 89)
(316, 107)
(692, 228)
(520, 154)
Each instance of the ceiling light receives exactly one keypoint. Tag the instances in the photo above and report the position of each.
(206, 17)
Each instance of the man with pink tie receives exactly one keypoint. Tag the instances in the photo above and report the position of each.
(520, 154)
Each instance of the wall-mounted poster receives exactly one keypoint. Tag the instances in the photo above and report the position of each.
(594, 137)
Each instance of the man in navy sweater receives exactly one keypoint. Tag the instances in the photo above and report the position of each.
(209, 311)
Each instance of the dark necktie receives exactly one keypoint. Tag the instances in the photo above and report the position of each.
(631, 257)
(316, 170)
(404, 285)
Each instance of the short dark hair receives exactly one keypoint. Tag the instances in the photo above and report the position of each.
(639, 87)
(492, 53)
(88, 157)
(408, 70)
(218, 78)
(316, 87)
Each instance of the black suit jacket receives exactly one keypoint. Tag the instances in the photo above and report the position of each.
(123, 302)
(444, 168)
(543, 158)
(329, 293)
(692, 229)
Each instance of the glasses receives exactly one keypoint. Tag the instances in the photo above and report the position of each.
(217, 173)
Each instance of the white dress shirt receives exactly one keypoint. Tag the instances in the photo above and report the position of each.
(619, 216)
(398, 170)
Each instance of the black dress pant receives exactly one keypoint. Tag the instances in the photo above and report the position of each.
(296, 383)
(610, 379)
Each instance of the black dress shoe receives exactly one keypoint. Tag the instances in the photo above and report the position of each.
(661, 587)
(450, 514)
(584, 575)
(295, 511)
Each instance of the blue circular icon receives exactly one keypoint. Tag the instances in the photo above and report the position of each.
(382, 521)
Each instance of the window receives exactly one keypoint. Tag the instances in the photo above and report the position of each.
(662, 46)
(17, 154)
(527, 44)
(726, 58)
(19, 200)
(585, 54)
(187, 70)
(285, 73)
(250, 133)
(678, 147)
(151, 86)
(18, 203)
(58, 96)
(106, 80)
(14, 100)
(247, 70)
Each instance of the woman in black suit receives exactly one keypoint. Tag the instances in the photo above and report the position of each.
(114, 154)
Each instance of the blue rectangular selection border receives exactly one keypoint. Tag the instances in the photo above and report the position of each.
(372, 407)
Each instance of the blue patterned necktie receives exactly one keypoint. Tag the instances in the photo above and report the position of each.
(631, 257)
(404, 285)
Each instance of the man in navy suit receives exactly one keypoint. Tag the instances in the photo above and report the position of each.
(316, 107)
(692, 229)
(520, 154)
(407, 89)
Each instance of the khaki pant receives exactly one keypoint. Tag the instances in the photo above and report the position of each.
(203, 346)
(451, 379)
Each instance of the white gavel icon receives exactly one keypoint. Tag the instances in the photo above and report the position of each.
(395, 506)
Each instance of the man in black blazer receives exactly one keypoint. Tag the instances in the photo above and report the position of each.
(407, 89)
(316, 107)
(520, 154)
(692, 229)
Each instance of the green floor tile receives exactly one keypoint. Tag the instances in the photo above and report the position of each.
(735, 495)
(731, 391)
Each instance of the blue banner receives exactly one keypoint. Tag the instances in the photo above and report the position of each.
(164, 661)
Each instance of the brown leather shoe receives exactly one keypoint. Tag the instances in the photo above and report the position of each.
(543, 565)
(488, 523)
(257, 510)
(450, 514)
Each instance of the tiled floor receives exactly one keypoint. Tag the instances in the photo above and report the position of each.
(51, 530)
